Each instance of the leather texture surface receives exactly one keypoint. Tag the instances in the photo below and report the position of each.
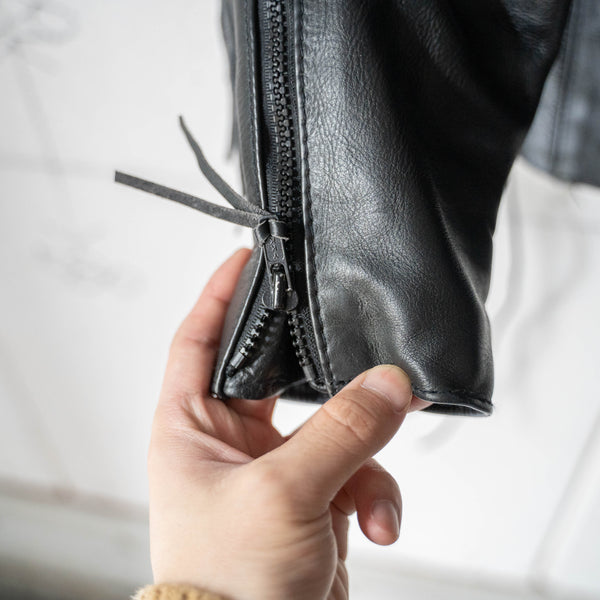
(410, 115)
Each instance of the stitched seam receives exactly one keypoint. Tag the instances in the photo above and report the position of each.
(463, 394)
(459, 394)
(251, 81)
(326, 361)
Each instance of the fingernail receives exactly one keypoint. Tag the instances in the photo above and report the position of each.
(392, 383)
(387, 516)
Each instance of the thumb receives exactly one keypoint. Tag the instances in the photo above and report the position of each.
(347, 430)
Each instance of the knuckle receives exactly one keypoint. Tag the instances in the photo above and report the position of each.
(267, 476)
(267, 484)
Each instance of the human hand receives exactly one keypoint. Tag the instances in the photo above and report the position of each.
(238, 509)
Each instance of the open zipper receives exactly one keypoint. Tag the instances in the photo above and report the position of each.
(282, 298)
(283, 252)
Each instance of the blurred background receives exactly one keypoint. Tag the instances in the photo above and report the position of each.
(95, 278)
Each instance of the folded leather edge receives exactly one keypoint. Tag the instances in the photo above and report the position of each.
(221, 367)
(455, 402)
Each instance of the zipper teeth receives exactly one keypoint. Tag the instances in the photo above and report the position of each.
(258, 327)
(282, 202)
(250, 341)
(297, 339)
(280, 90)
(285, 144)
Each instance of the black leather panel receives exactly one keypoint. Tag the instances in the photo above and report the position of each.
(409, 117)
(239, 28)
(414, 113)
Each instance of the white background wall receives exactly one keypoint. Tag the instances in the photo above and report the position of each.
(95, 277)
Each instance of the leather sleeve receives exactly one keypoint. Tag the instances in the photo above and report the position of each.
(408, 116)
(415, 112)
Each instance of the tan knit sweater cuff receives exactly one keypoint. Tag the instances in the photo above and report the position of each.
(164, 591)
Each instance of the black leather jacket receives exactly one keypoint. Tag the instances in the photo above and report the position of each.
(380, 133)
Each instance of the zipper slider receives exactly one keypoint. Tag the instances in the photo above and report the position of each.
(271, 235)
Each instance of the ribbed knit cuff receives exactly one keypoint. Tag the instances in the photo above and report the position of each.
(165, 591)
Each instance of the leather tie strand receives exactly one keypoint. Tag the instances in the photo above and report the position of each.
(271, 234)
(242, 212)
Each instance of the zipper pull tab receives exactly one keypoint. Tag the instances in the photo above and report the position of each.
(278, 289)
(272, 235)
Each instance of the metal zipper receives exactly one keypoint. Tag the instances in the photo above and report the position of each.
(283, 193)
(245, 350)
